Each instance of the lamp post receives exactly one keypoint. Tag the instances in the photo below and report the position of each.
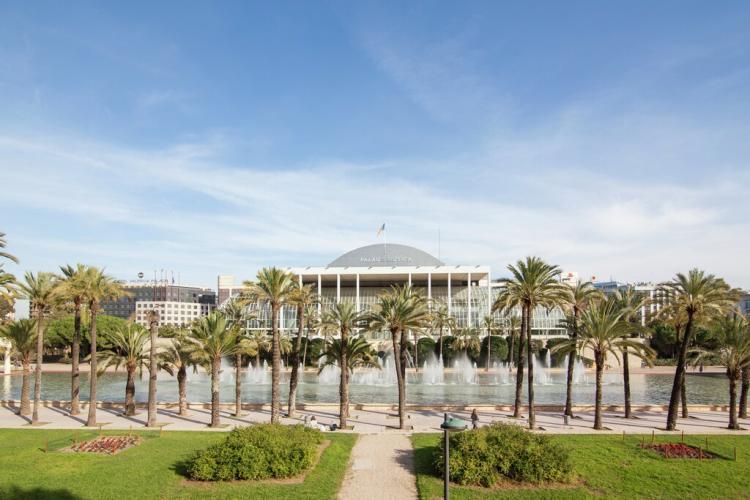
(449, 424)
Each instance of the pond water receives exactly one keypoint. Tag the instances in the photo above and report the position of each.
(495, 387)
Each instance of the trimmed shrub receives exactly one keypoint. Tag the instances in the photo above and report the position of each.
(499, 351)
(490, 454)
(262, 451)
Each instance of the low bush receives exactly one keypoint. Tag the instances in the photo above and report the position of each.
(490, 454)
(258, 452)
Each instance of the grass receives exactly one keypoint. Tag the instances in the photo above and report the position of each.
(609, 467)
(154, 469)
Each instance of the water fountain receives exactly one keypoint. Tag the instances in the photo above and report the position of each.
(502, 371)
(433, 371)
(258, 375)
(541, 370)
(386, 375)
(466, 370)
(330, 374)
(579, 373)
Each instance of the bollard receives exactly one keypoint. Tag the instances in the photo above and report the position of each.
(565, 420)
(653, 435)
(706, 443)
(682, 439)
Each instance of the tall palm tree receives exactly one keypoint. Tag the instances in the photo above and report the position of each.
(577, 299)
(630, 302)
(602, 331)
(534, 284)
(74, 288)
(343, 318)
(488, 323)
(273, 287)
(40, 290)
(234, 312)
(441, 320)
(128, 346)
(212, 338)
(397, 311)
(743, 391)
(348, 354)
(176, 358)
(732, 337)
(700, 296)
(22, 337)
(673, 315)
(303, 298)
(101, 287)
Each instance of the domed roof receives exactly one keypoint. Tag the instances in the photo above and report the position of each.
(385, 255)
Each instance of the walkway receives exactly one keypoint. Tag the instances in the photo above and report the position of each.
(382, 466)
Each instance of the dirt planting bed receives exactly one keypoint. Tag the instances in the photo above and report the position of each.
(106, 445)
(678, 450)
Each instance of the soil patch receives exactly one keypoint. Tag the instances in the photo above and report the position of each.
(104, 445)
(678, 450)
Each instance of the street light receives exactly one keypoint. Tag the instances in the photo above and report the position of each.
(449, 424)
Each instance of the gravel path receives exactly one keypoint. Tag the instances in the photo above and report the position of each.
(382, 466)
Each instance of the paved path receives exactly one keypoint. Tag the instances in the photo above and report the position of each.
(382, 466)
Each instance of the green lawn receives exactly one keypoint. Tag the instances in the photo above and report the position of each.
(154, 469)
(608, 467)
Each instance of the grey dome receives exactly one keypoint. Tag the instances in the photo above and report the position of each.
(382, 255)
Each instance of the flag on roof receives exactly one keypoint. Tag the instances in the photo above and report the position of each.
(381, 229)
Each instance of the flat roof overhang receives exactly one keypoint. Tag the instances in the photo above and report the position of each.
(394, 273)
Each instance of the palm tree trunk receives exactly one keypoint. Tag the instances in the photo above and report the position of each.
(294, 376)
(215, 416)
(626, 382)
(38, 368)
(182, 390)
(237, 385)
(25, 400)
(152, 369)
(440, 344)
(510, 349)
(416, 352)
(683, 394)
(598, 358)
(678, 375)
(733, 424)
(257, 358)
(91, 421)
(130, 392)
(344, 382)
(276, 369)
(529, 357)
(304, 352)
(489, 351)
(519, 371)
(75, 374)
(402, 396)
(571, 365)
(743, 392)
(399, 378)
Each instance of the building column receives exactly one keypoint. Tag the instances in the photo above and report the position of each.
(429, 288)
(357, 305)
(6, 361)
(489, 294)
(338, 288)
(320, 295)
(450, 299)
(468, 301)
(410, 279)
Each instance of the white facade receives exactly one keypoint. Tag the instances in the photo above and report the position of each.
(171, 312)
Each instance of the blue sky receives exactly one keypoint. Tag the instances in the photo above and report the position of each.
(221, 137)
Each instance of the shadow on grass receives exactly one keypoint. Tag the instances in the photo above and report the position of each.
(37, 493)
(423, 460)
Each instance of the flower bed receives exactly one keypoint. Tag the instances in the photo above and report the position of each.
(108, 445)
(678, 450)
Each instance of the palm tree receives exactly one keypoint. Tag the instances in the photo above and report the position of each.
(303, 298)
(700, 296)
(534, 284)
(273, 287)
(732, 337)
(258, 342)
(397, 311)
(630, 302)
(467, 340)
(344, 318)
(602, 331)
(7, 286)
(40, 290)
(312, 320)
(348, 353)
(577, 300)
(674, 316)
(3, 254)
(100, 287)
(176, 357)
(743, 391)
(514, 324)
(488, 322)
(74, 288)
(212, 338)
(441, 320)
(22, 337)
(128, 346)
(234, 312)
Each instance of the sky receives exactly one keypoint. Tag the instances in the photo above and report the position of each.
(206, 138)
